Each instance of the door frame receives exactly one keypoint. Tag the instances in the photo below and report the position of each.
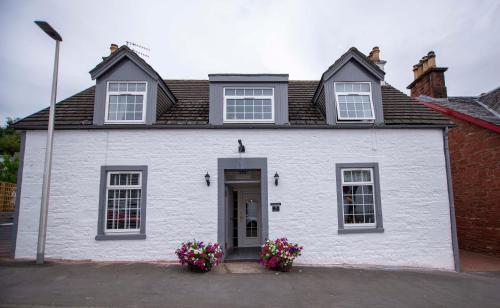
(223, 164)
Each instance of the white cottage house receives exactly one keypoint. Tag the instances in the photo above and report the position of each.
(348, 166)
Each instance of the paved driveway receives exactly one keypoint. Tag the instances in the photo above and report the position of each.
(152, 285)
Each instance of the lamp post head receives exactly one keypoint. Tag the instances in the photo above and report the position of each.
(49, 30)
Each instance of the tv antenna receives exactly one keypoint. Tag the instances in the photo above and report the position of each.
(135, 48)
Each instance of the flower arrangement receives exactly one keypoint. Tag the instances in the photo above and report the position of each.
(198, 256)
(279, 254)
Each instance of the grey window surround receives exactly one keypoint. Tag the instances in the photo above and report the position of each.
(217, 83)
(379, 228)
(101, 234)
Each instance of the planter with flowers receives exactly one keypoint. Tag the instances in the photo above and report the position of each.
(198, 256)
(279, 254)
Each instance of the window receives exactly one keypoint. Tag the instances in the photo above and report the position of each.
(123, 211)
(249, 105)
(125, 102)
(251, 218)
(358, 198)
(354, 101)
(122, 202)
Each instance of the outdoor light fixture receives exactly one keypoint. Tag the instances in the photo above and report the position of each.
(276, 178)
(207, 178)
(44, 207)
(241, 148)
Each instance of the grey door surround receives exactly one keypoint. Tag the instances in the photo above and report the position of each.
(240, 164)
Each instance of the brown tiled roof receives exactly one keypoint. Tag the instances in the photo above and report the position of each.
(192, 103)
(192, 107)
(73, 111)
(301, 111)
(401, 109)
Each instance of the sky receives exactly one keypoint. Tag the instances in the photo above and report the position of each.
(190, 39)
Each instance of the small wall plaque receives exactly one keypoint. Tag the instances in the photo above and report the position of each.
(275, 206)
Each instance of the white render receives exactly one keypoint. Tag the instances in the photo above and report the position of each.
(180, 206)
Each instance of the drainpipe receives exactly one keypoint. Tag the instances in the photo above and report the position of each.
(454, 240)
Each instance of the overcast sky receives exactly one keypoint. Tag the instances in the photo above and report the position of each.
(190, 39)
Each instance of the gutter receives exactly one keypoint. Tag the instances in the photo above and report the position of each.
(454, 239)
(236, 126)
(19, 186)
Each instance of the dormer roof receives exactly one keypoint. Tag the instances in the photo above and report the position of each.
(353, 54)
(125, 52)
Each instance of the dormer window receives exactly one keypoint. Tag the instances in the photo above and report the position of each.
(242, 105)
(126, 102)
(354, 101)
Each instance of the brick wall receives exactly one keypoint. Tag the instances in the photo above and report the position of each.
(475, 161)
(431, 83)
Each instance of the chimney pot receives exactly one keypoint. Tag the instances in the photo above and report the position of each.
(113, 48)
(431, 61)
(415, 71)
(425, 67)
(420, 69)
(375, 54)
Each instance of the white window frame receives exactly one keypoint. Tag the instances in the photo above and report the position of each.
(226, 120)
(337, 94)
(145, 101)
(372, 183)
(108, 187)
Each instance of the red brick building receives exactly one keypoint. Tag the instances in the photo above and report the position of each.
(474, 145)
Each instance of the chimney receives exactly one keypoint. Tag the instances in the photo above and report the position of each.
(428, 79)
(113, 48)
(374, 56)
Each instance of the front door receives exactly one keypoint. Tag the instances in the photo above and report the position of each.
(249, 219)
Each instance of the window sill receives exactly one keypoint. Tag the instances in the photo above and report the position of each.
(124, 122)
(347, 122)
(111, 237)
(225, 122)
(361, 230)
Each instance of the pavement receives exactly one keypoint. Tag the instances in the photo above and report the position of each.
(24, 284)
(476, 262)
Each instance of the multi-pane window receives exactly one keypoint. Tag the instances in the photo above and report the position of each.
(123, 197)
(354, 101)
(358, 197)
(251, 218)
(126, 101)
(248, 105)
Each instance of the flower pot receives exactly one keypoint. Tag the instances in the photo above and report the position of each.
(196, 269)
(280, 267)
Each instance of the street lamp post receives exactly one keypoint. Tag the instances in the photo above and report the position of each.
(42, 230)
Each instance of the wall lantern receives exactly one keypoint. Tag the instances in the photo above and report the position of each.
(276, 178)
(207, 178)
(241, 147)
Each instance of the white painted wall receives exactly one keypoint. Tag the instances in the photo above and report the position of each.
(180, 206)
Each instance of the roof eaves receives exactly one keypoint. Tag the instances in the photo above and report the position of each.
(462, 116)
